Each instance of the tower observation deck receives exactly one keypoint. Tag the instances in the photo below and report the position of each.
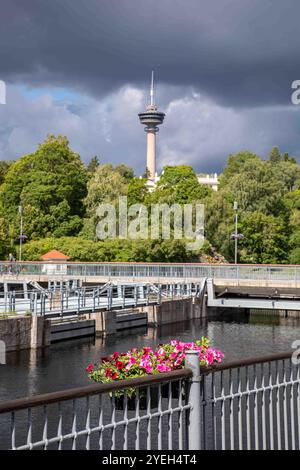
(151, 118)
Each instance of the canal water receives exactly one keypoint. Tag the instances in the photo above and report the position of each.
(62, 365)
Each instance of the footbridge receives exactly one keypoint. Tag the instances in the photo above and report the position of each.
(92, 286)
(109, 296)
(96, 273)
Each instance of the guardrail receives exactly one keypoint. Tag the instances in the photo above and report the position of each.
(94, 417)
(85, 299)
(252, 404)
(153, 270)
(247, 404)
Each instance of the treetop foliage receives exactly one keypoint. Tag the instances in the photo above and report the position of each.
(60, 195)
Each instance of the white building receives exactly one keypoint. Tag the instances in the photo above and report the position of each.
(210, 180)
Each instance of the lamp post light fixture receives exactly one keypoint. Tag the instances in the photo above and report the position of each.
(236, 236)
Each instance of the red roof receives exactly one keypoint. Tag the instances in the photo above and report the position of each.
(54, 255)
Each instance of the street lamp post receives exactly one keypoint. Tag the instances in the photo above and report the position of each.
(235, 207)
(21, 211)
(236, 236)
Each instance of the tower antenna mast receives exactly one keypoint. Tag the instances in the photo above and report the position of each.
(152, 89)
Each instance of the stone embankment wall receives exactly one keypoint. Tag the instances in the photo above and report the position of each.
(24, 332)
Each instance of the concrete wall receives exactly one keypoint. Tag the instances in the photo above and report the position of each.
(174, 311)
(105, 322)
(108, 323)
(72, 329)
(24, 332)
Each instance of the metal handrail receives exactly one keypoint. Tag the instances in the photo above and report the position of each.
(251, 361)
(79, 392)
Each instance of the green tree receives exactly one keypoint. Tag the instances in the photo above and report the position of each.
(4, 167)
(50, 184)
(179, 184)
(256, 187)
(275, 155)
(137, 191)
(125, 171)
(79, 249)
(93, 165)
(4, 239)
(219, 223)
(265, 239)
(106, 185)
(235, 164)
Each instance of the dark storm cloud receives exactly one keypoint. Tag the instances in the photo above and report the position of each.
(241, 53)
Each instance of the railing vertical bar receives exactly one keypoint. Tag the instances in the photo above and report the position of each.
(100, 422)
(87, 423)
(284, 400)
(45, 430)
(137, 415)
(271, 408)
(113, 421)
(213, 412)
(203, 405)
(148, 418)
(240, 410)
(13, 430)
(160, 432)
(180, 418)
(293, 429)
(264, 407)
(231, 405)
(170, 418)
(278, 414)
(256, 412)
(125, 441)
(74, 424)
(29, 427)
(248, 411)
(223, 429)
(59, 427)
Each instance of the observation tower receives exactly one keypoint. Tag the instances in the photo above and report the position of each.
(151, 118)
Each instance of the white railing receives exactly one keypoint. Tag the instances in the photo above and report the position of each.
(152, 270)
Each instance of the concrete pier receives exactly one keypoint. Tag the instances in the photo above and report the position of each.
(105, 322)
(24, 332)
(173, 311)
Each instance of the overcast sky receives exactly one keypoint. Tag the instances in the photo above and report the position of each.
(223, 72)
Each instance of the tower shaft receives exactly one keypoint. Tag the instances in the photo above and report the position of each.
(151, 151)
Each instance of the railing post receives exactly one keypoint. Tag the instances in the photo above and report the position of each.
(194, 418)
(35, 305)
(159, 294)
